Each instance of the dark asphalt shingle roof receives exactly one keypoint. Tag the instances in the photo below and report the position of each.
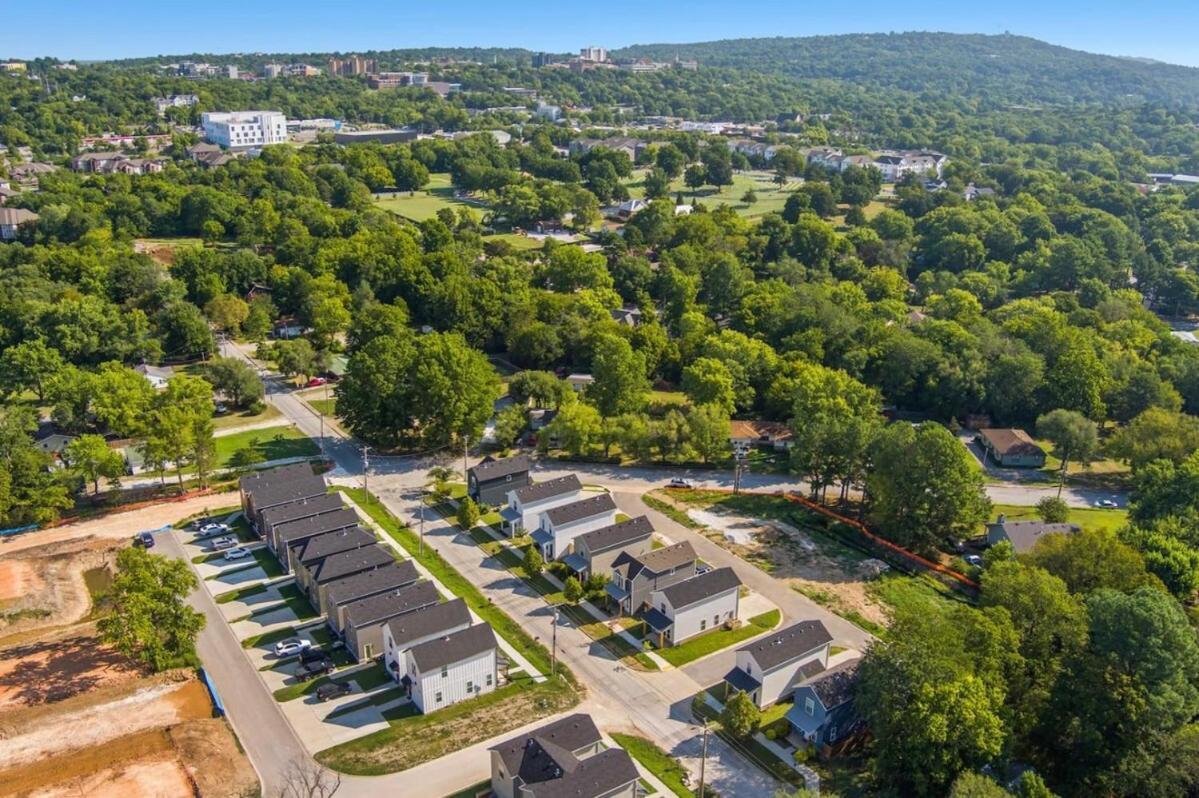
(351, 562)
(390, 604)
(304, 508)
(320, 546)
(421, 623)
(834, 686)
(788, 644)
(295, 531)
(500, 469)
(1025, 534)
(659, 561)
(701, 588)
(584, 508)
(281, 485)
(621, 534)
(368, 583)
(454, 647)
(594, 776)
(541, 491)
(572, 733)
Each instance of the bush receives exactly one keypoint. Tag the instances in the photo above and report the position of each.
(468, 513)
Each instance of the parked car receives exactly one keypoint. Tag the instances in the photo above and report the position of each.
(973, 559)
(315, 382)
(1107, 504)
(679, 482)
(220, 408)
(227, 542)
(313, 655)
(211, 529)
(145, 540)
(236, 553)
(291, 645)
(311, 670)
(331, 690)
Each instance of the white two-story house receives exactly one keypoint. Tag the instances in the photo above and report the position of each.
(559, 526)
(452, 668)
(694, 606)
(770, 668)
(411, 629)
(526, 504)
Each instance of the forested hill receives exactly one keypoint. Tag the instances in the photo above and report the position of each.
(1002, 68)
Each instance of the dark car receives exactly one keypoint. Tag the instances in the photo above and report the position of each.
(313, 655)
(331, 690)
(314, 668)
(145, 540)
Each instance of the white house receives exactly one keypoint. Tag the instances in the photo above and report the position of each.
(452, 668)
(411, 629)
(241, 129)
(157, 376)
(561, 525)
(525, 505)
(11, 221)
(579, 382)
(770, 668)
(694, 606)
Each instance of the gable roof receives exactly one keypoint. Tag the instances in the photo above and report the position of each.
(570, 733)
(329, 543)
(325, 503)
(1011, 441)
(659, 561)
(454, 647)
(16, 216)
(769, 430)
(592, 777)
(834, 686)
(1025, 534)
(584, 508)
(540, 491)
(428, 621)
(368, 583)
(283, 484)
(390, 604)
(350, 562)
(788, 644)
(620, 534)
(490, 470)
(304, 528)
(701, 588)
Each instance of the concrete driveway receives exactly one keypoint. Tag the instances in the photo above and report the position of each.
(239, 608)
(264, 622)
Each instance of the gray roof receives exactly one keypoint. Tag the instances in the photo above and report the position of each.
(834, 686)
(658, 561)
(788, 644)
(572, 733)
(592, 777)
(318, 547)
(577, 511)
(368, 583)
(701, 588)
(541, 491)
(303, 508)
(454, 647)
(428, 621)
(15, 216)
(1025, 534)
(390, 604)
(500, 469)
(295, 531)
(351, 562)
(281, 485)
(621, 534)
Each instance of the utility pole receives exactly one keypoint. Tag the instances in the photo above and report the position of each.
(366, 467)
(703, 760)
(465, 446)
(421, 509)
(554, 644)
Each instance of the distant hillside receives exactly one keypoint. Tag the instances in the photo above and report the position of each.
(1000, 68)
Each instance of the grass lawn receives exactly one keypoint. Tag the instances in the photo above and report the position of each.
(771, 197)
(1089, 517)
(326, 407)
(710, 643)
(296, 601)
(617, 645)
(413, 738)
(656, 761)
(271, 443)
(670, 511)
(241, 593)
(319, 634)
(514, 240)
(237, 419)
(421, 205)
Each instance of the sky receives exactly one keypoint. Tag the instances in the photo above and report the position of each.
(1164, 30)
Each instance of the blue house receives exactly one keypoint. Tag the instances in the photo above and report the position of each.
(824, 715)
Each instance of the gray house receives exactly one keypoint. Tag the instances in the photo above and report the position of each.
(420, 626)
(564, 758)
(278, 486)
(597, 550)
(771, 667)
(635, 578)
(284, 536)
(1023, 535)
(317, 579)
(342, 592)
(824, 713)
(309, 551)
(365, 618)
(489, 482)
(297, 511)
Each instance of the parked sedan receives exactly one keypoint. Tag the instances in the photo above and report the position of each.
(236, 553)
(680, 483)
(291, 646)
(316, 382)
(331, 690)
(973, 559)
(220, 544)
(1107, 504)
(211, 529)
(145, 540)
(311, 670)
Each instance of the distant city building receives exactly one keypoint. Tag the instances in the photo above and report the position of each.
(231, 71)
(352, 66)
(544, 59)
(272, 70)
(395, 80)
(596, 54)
(241, 129)
(13, 66)
(551, 113)
(175, 101)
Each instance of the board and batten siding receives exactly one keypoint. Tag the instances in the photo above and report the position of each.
(477, 673)
(393, 655)
(704, 616)
(781, 681)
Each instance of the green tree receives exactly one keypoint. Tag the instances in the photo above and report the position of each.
(236, 380)
(708, 431)
(227, 312)
(468, 513)
(695, 178)
(30, 490)
(576, 428)
(90, 457)
(1053, 510)
(924, 486)
(740, 715)
(543, 388)
(29, 365)
(619, 383)
(1155, 434)
(707, 380)
(151, 620)
(572, 590)
(295, 358)
(976, 785)
(533, 563)
(509, 423)
(1074, 437)
(122, 399)
(1090, 560)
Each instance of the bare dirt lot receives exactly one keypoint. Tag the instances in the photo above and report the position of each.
(58, 668)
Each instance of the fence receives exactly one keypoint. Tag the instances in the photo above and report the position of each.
(217, 705)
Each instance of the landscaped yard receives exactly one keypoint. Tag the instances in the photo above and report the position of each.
(261, 445)
(239, 418)
(770, 197)
(1089, 517)
(710, 643)
(421, 205)
(656, 761)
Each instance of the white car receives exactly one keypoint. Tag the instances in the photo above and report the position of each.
(680, 483)
(290, 646)
(1107, 504)
(237, 552)
(973, 559)
(208, 530)
(220, 544)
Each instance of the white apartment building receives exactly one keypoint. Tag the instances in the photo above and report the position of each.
(239, 129)
(453, 668)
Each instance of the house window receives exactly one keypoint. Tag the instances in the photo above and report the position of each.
(703, 624)
(809, 706)
(749, 669)
(444, 671)
(716, 619)
(832, 734)
(470, 686)
(489, 680)
(368, 651)
(437, 698)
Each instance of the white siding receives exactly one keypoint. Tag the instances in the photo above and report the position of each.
(703, 616)
(474, 673)
(530, 512)
(780, 682)
(564, 537)
(391, 654)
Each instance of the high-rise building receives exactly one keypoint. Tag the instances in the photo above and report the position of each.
(240, 129)
(543, 59)
(353, 65)
(597, 54)
(272, 70)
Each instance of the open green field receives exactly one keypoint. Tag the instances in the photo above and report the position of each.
(421, 205)
(270, 443)
(238, 418)
(1091, 518)
(771, 197)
